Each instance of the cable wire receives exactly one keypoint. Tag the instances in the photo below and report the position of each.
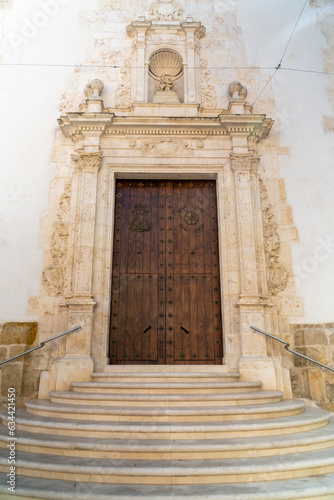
(266, 85)
(292, 33)
(108, 66)
(284, 51)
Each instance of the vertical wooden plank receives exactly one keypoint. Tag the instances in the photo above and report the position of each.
(160, 195)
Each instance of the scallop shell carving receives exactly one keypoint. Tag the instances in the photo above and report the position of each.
(166, 62)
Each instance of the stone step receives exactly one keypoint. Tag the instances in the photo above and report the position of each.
(165, 387)
(45, 408)
(154, 449)
(166, 400)
(219, 369)
(149, 376)
(178, 472)
(311, 418)
(315, 488)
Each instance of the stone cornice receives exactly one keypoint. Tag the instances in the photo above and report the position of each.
(80, 125)
(256, 125)
(144, 26)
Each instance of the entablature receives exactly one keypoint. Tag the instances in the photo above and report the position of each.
(80, 125)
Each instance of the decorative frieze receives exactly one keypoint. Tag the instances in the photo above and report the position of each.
(277, 275)
(162, 132)
(163, 39)
(53, 277)
(166, 147)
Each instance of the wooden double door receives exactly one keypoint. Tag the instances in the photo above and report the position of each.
(165, 303)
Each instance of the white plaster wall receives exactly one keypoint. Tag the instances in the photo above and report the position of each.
(29, 112)
(301, 101)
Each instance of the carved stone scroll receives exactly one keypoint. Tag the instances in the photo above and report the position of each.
(123, 91)
(53, 277)
(208, 92)
(277, 276)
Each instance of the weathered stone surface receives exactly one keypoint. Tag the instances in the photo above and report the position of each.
(316, 379)
(330, 391)
(18, 333)
(328, 406)
(317, 353)
(300, 383)
(3, 353)
(14, 350)
(299, 338)
(30, 382)
(11, 376)
(300, 362)
(315, 337)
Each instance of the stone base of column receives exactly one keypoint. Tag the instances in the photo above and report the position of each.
(259, 368)
(63, 371)
(268, 370)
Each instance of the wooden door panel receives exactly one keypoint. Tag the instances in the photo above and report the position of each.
(194, 321)
(165, 280)
(138, 322)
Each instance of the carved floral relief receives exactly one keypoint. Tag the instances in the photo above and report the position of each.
(123, 91)
(88, 161)
(278, 276)
(208, 92)
(164, 39)
(53, 277)
(166, 147)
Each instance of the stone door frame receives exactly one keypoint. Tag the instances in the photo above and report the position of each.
(109, 146)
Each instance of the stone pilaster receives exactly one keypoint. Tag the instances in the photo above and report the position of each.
(194, 31)
(254, 362)
(138, 29)
(81, 302)
(77, 363)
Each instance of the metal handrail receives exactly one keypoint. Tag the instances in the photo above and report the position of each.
(42, 344)
(287, 347)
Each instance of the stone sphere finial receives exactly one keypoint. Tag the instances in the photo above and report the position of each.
(237, 91)
(93, 90)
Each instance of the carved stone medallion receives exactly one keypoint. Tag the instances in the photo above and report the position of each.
(166, 10)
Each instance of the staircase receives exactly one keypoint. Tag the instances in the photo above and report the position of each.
(180, 432)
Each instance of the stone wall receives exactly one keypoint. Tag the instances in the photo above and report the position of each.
(20, 374)
(308, 380)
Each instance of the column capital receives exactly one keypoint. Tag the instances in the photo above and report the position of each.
(245, 163)
(90, 162)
